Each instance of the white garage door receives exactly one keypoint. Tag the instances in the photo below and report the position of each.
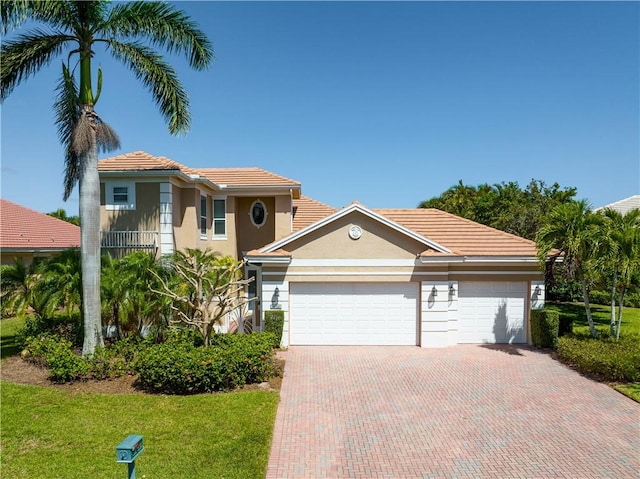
(353, 313)
(492, 312)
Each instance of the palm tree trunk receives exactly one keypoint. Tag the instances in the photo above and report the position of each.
(612, 322)
(90, 249)
(587, 307)
(620, 313)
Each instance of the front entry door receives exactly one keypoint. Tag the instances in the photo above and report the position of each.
(253, 291)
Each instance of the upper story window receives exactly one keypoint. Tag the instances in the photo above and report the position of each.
(220, 218)
(258, 213)
(120, 195)
(203, 216)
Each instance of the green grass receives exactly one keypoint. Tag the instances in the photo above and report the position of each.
(47, 433)
(8, 328)
(631, 390)
(601, 317)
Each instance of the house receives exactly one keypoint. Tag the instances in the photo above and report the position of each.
(623, 206)
(349, 276)
(29, 234)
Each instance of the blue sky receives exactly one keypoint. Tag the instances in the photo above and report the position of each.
(387, 103)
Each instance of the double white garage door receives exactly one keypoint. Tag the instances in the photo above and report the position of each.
(387, 313)
(353, 313)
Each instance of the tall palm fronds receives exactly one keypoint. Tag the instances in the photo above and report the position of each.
(571, 233)
(130, 32)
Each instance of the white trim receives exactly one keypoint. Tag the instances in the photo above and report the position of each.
(269, 260)
(354, 262)
(364, 274)
(478, 259)
(109, 201)
(345, 211)
(496, 272)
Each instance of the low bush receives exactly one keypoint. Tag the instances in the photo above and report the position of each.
(631, 298)
(69, 328)
(57, 354)
(177, 367)
(544, 328)
(273, 323)
(604, 358)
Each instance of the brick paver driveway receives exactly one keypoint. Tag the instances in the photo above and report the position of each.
(458, 412)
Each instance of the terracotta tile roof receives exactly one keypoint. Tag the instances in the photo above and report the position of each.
(141, 161)
(246, 177)
(23, 228)
(307, 211)
(461, 236)
(279, 253)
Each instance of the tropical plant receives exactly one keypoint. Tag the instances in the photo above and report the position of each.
(16, 288)
(127, 292)
(81, 26)
(204, 289)
(572, 234)
(59, 283)
(504, 206)
(61, 214)
(620, 260)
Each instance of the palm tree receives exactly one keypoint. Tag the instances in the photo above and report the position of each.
(622, 258)
(79, 27)
(16, 287)
(571, 232)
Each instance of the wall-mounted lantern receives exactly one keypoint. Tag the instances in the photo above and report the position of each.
(452, 291)
(274, 299)
(434, 292)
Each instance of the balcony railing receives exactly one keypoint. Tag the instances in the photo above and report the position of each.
(127, 241)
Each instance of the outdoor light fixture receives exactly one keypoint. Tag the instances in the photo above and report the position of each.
(537, 291)
(452, 290)
(434, 291)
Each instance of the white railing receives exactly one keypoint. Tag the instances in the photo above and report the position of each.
(129, 239)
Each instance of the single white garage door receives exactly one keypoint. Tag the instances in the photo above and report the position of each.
(353, 313)
(492, 312)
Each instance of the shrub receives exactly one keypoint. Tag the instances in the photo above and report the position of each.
(273, 323)
(181, 368)
(544, 328)
(604, 358)
(60, 325)
(55, 353)
(565, 324)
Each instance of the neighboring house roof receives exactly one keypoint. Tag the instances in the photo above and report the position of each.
(307, 211)
(623, 206)
(441, 231)
(23, 229)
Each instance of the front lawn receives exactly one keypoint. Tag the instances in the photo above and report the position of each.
(601, 317)
(47, 432)
(8, 328)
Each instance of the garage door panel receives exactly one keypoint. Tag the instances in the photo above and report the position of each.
(492, 312)
(353, 313)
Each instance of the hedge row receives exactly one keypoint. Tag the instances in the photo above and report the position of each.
(178, 366)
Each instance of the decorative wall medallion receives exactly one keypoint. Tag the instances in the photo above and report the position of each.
(355, 232)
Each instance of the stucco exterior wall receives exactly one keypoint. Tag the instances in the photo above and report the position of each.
(249, 236)
(146, 216)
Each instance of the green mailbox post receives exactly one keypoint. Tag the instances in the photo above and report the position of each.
(127, 452)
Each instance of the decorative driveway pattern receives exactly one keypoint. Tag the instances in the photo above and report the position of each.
(459, 412)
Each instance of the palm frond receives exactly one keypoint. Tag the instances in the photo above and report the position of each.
(23, 57)
(15, 13)
(106, 137)
(160, 78)
(163, 26)
(66, 113)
